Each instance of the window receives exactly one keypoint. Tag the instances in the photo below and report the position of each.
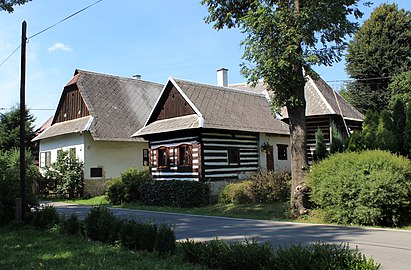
(162, 157)
(96, 172)
(145, 157)
(233, 156)
(282, 151)
(184, 155)
(73, 152)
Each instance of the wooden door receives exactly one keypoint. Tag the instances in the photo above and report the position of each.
(270, 158)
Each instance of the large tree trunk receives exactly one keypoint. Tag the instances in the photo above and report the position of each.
(296, 115)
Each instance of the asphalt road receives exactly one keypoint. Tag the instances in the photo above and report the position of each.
(391, 248)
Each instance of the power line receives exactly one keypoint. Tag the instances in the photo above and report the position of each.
(48, 28)
(365, 79)
(41, 109)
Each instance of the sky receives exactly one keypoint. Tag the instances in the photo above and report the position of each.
(155, 39)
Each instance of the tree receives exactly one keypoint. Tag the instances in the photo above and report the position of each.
(320, 146)
(66, 175)
(282, 38)
(400, 87)
(398, 117)
(10, 130)
(379, 50)
(407, 132)
(7, 5)
(385, 137)
(369, 129)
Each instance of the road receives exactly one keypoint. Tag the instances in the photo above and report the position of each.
(391, 248)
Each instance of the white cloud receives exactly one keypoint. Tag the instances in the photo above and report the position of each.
(58, 46)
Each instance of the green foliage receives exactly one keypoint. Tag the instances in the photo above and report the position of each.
(217, 254)
(400, 87)
(399, 120)
(369, 128)
(380, 49)
(44, 218)
(70, 225)
(101, 225)
(10, 130)
(127, 188)
(7, 5)
(237, 193)
(356, 142)
(385, 137)
(337, 144)
(165, 241)
(321, 256)
(366, 188)
(270, 186)
(320, 146)
(10, 182)
(116, 191)
(175, 193)
(66, 175)
(407, 131)
(136, 235)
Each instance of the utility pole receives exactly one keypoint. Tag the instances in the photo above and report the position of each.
(23, 121)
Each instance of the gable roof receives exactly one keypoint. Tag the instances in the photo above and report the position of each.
(218, 108)
(321, 99)
(118, 105)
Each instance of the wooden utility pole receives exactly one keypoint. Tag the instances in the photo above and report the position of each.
(23, 121)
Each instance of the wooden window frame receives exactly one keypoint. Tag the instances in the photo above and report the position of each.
(146, 157)
(165, 162)
(185, 161)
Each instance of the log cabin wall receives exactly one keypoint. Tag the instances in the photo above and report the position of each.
(229, 155)
(71, 106)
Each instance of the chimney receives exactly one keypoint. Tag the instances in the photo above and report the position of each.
(137, 77)
(222, 77)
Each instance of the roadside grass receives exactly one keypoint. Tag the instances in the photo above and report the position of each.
(261, 211)
(26, 248)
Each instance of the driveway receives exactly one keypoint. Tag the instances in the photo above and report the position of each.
(391, 248)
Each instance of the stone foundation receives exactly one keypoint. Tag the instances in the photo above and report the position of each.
(94, 187)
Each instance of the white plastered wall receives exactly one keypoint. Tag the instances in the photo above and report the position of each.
(279, 165)
(113, 157)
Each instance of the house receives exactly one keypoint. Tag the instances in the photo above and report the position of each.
(324, 106)
(213, 133)
(95, 118)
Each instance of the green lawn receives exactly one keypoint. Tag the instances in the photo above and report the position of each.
(31, 249)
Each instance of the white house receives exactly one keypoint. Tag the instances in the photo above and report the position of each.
(95, 118)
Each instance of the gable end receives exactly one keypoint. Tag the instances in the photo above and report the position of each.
(71, 105)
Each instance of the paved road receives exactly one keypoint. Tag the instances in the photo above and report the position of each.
(391, 248)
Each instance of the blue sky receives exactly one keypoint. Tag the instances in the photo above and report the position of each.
(156, 39)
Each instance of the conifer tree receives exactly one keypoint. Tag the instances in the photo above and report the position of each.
(320, 146)
(398, 117)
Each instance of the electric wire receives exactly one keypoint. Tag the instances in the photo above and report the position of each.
(48, 28)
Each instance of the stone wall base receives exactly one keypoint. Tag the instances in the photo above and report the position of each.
(95, 187)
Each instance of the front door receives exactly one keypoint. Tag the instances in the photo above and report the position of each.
(270, 158)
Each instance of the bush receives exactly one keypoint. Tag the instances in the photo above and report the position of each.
(70, 225)
(44, 218)
(10, 183)
(138, 236)
(217, 254)
(165, 241)
(127, 188)
(271, 186)
(367, 188)
(175, 193)
(237, 193)
(101, 225)
(116, 191)
(320, 256)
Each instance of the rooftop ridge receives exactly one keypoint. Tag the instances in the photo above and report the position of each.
(80, 71)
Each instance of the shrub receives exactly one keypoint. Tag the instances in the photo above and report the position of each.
(368, 188)
(101, 225)
(165, 241)
(175, 193)
(127, 188)
(70, 225)
(116, 191)
(44, 218)
(10, 183)
(319, 256)
(271, 186)
(237, 193)
(137, 235)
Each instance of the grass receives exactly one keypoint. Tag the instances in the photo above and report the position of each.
(27, 248)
